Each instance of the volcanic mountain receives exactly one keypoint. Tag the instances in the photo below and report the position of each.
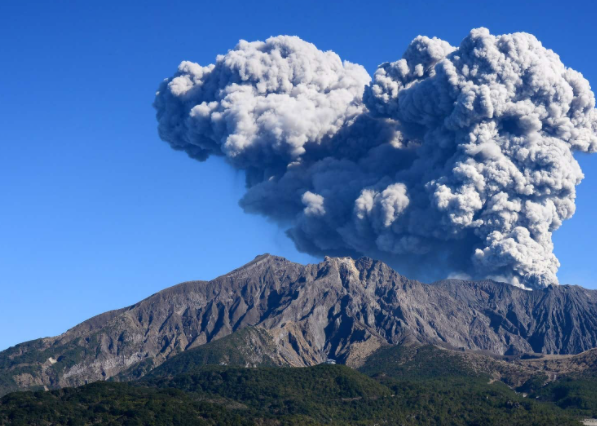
(302, 315)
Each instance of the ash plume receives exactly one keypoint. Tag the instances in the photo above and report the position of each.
(453, 160)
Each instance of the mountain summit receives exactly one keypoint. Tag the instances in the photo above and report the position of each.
(302, 315)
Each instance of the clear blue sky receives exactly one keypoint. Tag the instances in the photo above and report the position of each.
(97, 213)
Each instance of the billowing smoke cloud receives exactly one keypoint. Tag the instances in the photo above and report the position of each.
(453, 160)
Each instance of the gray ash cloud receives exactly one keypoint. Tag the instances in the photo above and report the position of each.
(451, 160)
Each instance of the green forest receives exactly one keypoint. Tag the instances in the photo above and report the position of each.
(427, 390)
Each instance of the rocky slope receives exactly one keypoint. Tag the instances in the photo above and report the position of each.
(340, 308)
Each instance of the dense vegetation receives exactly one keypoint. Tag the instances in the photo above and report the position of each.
(111, 403)
(400, 385)
(417, 363)
(575, 395)
(231, 350)
(322, 395)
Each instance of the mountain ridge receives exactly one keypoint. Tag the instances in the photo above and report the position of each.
(340, 308)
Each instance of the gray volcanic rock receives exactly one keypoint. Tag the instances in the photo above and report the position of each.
(340, 308)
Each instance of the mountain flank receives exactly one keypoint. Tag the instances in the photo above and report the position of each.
(300, 315)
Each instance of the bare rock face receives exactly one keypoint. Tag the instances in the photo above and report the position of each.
(340, 308)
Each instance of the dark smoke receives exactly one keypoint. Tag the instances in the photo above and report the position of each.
(457, 160)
